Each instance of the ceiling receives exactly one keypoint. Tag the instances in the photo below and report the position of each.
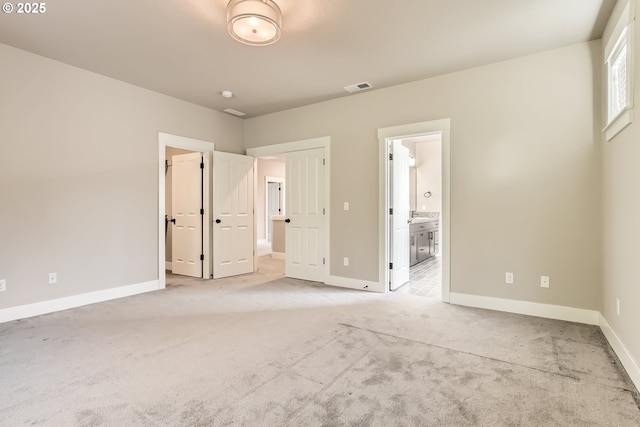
(181, 47)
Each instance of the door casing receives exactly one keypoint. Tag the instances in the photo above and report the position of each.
(406, 131)
(307, 144)
(206, 148)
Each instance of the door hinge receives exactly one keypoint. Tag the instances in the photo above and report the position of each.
(324, 162)
(390, 211)
(202, 257)
(390, 156)
(323, 211)
(201, 211)
(390, 266)
(202, 165)
(323, 261)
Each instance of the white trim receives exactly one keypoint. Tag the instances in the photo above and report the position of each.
(168, 265)
(623, 354)
(346, 282)
(206, 148)
(51, 306)
(559, 312)
(623, 31)
(308, 144)
(622, 120)
(405, 131)
(278, 255)
(287, 147)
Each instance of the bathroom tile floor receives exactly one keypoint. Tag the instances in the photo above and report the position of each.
(425, 279)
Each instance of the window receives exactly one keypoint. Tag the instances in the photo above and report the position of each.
(619, 72)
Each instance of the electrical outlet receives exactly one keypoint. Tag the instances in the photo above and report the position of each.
(3, 285)
(618, 306)
(544, 281)
(346, 262)
(53, 278)
(508, 278)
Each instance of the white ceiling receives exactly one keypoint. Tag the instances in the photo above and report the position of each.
(181, 47)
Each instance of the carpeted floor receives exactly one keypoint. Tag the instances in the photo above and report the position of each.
(263, 350)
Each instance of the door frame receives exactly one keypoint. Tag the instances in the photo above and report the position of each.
(307, 144)
(442, 126)
(206, 148)
(267, 180)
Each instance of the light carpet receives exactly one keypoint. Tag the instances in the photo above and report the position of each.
(264, 350)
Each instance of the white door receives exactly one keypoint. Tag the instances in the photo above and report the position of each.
(400, 246)
(304, 236)
(233, 239)
(186, 205)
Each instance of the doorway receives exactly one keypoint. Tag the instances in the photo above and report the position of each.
(192, 145)
(274, 203)
(422, 211)
(306, 225)
(184, 177)
(424, 192)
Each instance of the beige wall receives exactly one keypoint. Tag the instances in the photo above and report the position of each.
(272, 168)
(429, 176)
(79, 176)
(526, 176)
(621, 205)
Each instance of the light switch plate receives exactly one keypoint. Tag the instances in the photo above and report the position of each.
(3, 285)
(346, 206)
(53, 278)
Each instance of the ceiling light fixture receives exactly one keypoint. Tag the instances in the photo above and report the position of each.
(254, 22)
(226, 93)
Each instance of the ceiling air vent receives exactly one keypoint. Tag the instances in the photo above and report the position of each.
(358, 87)
(234, 112)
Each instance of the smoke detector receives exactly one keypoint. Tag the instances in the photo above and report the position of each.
(358, 87)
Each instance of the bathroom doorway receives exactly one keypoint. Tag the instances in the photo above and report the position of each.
(422, 247)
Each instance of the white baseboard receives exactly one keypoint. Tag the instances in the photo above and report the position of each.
(278, 255)
(346, 282)
(51, 306)
(168, 265)
(623, 354)
(559, 312)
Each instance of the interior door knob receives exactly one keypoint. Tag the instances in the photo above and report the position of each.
(218, 221)
(287, 220)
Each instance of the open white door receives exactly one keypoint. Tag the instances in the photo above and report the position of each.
(305, 215)
(187, 205)
(233, 239)
(399, 217)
